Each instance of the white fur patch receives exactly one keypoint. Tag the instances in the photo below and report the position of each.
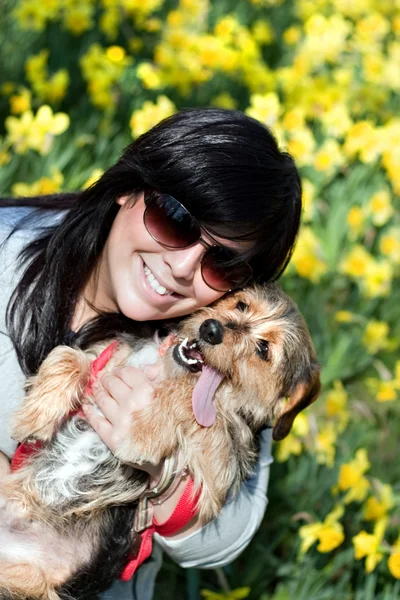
(147, 355)
(75, 454)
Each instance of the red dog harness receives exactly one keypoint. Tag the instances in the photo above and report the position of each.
(184, 512)
(185, 509)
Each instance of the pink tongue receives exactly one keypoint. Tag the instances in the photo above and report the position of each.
(203, 396)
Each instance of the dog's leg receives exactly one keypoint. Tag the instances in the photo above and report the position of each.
(154, 434)
(52, 394)
(215, 471)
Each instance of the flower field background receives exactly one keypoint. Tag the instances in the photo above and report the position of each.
(81, 78)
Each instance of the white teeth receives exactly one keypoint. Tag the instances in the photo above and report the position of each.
(189, 361)
(152, 281)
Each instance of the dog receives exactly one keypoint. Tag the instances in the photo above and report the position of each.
(66, 515)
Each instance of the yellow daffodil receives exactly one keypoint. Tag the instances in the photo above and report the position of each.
(325, 444)
(356, 262)
(351, 477)
(293, 443)
(224, 100)
(376, 508)
(380, 207)
(36, 132)
(336, 405)
(291, 35)
(266, 108)
(329, 533)
(102, 68)
(95, 176)
(20, 102)
(385, 391)
(377, 280)
(344, 316)
(367, 545)
(355, 220)
(389, 244)
(307, 257)
(301, 145)
(308, 199)
(328, 157)
(79, 17)
(394, 559)
(150, 114)
(149, 75)
(45, 185)
(290, 445)
(236, 594)
(375, 336)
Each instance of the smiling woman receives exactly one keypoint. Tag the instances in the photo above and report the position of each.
(94, 264)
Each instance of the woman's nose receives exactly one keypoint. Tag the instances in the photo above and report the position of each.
(184, 263)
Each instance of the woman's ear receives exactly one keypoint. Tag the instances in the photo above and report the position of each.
(130, 198)
(123, 200)
(302, 396)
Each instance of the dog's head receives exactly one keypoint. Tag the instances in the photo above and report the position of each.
(257, 342)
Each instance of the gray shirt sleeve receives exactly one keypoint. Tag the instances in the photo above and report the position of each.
(11, 377)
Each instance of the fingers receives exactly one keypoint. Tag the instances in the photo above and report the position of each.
(107, 404)
(115, 386)
(101, 425)
(156, 373)
(119, 395)
(131, 376)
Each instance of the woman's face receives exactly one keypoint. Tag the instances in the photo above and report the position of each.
(133, 263)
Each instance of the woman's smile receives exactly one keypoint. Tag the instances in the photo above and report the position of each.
(156, 291)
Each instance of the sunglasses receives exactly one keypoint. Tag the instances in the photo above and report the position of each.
(170, 224)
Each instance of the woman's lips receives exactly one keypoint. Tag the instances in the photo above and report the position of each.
(166, 298)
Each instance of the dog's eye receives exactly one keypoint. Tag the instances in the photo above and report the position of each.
(262, 349)
(242, 306)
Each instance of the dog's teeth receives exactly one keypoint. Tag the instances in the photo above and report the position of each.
(191, 361)
(185, 341)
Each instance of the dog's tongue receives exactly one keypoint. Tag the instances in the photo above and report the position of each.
(203, 396)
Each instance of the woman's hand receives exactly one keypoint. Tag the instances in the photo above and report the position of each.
(119, 395)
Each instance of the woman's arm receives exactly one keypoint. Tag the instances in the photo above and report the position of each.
(223, 539)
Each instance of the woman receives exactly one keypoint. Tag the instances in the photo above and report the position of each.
(203, 203)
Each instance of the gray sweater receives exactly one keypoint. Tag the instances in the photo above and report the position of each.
(216, 544)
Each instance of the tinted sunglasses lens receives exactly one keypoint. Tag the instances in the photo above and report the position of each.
(220, 277)
(169, 223)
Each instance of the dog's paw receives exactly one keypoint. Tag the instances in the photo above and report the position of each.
(137, 454)
(30, 425)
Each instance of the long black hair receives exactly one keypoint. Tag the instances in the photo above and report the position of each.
(224, 166)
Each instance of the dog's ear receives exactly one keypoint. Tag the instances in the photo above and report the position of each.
(305, 392)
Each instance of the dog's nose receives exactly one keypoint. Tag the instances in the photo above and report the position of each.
(211, 331)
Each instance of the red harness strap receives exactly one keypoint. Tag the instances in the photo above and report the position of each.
(184, 512)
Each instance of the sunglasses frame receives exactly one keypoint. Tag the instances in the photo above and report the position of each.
(151, 197)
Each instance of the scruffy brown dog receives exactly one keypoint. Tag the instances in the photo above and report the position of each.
(228, 371)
